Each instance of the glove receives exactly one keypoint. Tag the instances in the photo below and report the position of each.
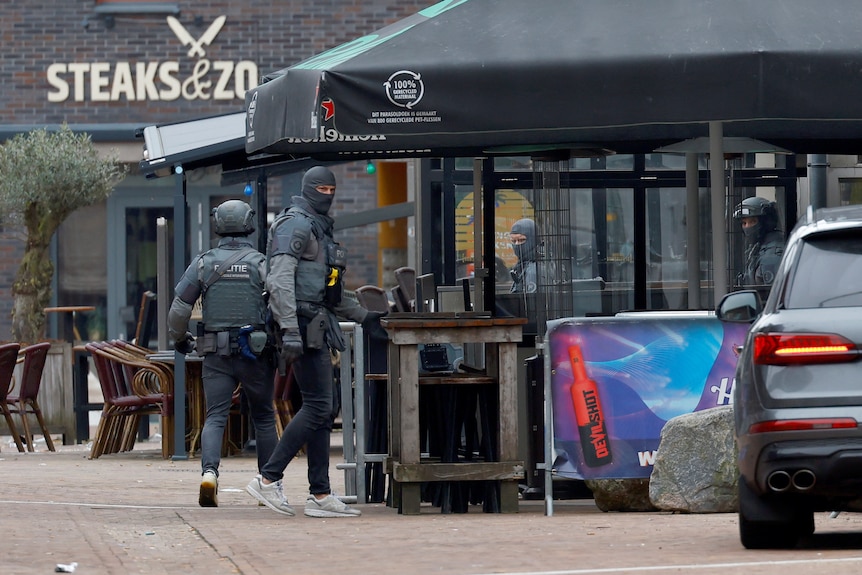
(371, 325)
(291, 348)
(186, 344)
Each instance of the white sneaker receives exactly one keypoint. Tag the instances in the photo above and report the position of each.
(271, 495)
(329, 506)
(208, 496)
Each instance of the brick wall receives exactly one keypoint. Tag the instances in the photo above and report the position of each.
(37, 34)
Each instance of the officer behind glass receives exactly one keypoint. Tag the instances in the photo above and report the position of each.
(524, 272)
(305, 283)
(763, 239)
(229, 279)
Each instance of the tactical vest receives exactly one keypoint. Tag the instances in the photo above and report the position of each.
(320, 269)
(236, 298)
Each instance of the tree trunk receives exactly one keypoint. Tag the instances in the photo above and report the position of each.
(32, 287)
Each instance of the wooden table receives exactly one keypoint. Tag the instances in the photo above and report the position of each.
(500, 336)
(73, 309)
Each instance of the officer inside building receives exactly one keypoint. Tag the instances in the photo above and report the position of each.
(524, 272)
(229, 279)
(764, 240)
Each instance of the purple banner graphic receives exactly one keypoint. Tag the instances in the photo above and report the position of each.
(616, 381)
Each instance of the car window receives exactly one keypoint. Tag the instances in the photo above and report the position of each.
(828, 272)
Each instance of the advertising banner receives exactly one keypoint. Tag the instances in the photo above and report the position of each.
(616, 381)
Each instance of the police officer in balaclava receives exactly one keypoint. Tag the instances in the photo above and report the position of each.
(305, 282)
(763, 239)
(523, 238)
(229, 280)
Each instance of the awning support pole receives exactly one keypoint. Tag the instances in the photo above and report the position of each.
(719, 225)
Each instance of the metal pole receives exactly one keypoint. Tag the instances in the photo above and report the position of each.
(164, 284)
(817, 165)
(719, 225)
(548, 465)
(260, 208)
(692, 226)
(478, 260)
(179, 358)
(359, 415)
(348, 419)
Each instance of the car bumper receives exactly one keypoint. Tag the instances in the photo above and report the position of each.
(829, 469)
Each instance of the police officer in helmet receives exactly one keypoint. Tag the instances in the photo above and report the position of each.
(305, 283)
(229, 279)
(763, 239)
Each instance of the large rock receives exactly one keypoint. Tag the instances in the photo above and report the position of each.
(695, 468)
(621, 494)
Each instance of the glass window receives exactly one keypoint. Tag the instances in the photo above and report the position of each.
(611, 162)
(513, 164)
(850, 191)
(666, 240)
(511, 206)
(616, 247)
(828, 273)
(82, 271)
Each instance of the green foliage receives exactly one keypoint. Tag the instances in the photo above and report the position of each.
(44, 177)
(60, 171)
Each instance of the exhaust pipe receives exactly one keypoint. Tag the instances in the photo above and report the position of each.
(804, 479)
(778, 481)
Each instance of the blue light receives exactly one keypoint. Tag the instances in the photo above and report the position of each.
(248, 190)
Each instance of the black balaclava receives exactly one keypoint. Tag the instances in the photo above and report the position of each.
(525, 252)
(318, 176)
(754, 234)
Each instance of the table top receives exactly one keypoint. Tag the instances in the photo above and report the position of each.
(70, 308)
(167, 356)
(436, 320)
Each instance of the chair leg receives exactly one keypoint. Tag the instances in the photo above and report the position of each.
(28, 436)
(109, 433)
(34, 405)
(101, 433)
(167, 432)
(130, 433)
(12, 429)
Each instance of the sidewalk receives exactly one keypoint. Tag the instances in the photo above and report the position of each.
(137, 513)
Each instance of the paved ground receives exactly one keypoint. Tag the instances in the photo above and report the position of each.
(138, 513)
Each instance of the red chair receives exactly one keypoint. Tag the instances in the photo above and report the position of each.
(8, 360)
(25, 402)
(131, 388)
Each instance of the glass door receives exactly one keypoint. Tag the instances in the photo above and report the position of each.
(132, 257)
(133, 210)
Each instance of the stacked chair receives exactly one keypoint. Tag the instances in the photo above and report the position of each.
(133, 387)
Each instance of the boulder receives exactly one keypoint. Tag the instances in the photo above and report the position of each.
(695, 468)
(621, 494)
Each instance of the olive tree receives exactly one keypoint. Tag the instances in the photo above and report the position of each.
(44, 177)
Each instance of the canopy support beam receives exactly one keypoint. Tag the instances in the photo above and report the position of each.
(719, 225)
(692, 226)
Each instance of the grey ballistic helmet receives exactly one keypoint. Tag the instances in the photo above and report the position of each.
(762, 209)
(755, 207)
(233, 218)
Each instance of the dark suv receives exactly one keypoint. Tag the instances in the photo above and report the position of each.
(798, 390)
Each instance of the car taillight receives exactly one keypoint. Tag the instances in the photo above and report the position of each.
(802, 348)
(803, 424)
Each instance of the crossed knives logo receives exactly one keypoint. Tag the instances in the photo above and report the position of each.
(196, 47)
